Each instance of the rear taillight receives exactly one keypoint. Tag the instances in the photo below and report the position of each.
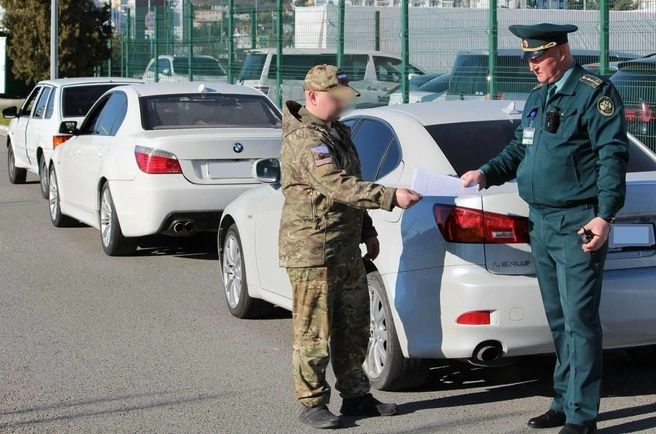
(155, 161)
(481, 317)
(466, 225)
(58, 140)
(643, 113)
(263, 89)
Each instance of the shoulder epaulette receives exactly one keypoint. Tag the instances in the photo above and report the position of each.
(537, 86)
(591, 81)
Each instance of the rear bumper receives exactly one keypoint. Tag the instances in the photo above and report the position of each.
(145, 204)
(428, 313)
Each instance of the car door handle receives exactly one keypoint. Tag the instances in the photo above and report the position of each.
(99, 154)
(78, 152)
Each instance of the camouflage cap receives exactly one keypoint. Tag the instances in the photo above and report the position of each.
(328, 78)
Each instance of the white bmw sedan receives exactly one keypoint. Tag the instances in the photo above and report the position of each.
(455, 277)
(161, 159)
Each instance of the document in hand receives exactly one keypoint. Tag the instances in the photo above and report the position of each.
(429, 183)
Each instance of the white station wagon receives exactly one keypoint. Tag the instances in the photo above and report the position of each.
(161, 159)
(455, 278)
(34, 128)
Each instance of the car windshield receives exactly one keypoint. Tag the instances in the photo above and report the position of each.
(469, 145)
(199, 66)
(252, 68)
(160, 112)
(77, 100)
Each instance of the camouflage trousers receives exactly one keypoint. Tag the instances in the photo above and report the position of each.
(331, 323)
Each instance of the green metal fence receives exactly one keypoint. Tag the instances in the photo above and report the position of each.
(393, 51)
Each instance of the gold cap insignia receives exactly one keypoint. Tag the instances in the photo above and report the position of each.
(606, 106)
(524, 43)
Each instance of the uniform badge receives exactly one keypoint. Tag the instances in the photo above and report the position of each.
(606, 106)
(321, 155)
(524, 43)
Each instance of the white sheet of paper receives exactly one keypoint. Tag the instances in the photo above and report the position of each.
(429, 183)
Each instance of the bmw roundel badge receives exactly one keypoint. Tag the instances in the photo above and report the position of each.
(238, 147)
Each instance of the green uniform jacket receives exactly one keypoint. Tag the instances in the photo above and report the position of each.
(583, 162)
(323, 219)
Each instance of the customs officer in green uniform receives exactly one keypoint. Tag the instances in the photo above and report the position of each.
(569, 156)
(322, 225)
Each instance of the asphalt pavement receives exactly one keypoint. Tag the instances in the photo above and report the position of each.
(145, 344)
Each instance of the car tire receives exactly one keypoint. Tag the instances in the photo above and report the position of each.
(114, 243)
(16, 174)
(44, 177)
(385, 365)
(235, 283)
(58, 219)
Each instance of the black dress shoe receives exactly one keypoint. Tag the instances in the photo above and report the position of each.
(570, 428)
(550, 419)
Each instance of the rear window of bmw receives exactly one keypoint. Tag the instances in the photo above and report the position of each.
(188, 111)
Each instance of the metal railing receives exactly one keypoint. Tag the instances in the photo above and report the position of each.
(394, 51)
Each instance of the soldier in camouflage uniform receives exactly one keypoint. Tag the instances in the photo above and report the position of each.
(322, 226)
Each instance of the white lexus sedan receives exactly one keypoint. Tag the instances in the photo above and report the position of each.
(455, 277)
(160, 159)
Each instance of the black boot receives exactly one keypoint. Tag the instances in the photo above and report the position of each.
(318, 417)
(366, 405)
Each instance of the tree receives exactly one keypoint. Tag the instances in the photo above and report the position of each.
(84, 32)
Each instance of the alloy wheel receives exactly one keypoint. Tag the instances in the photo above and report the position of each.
(106, 213)
(232, 271)
(53, 196)
(43, 172)
(377, 347)
(11, 163)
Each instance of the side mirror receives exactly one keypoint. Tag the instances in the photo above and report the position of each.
(68, 127)
(166, 71)
(267, 170)
(10, 112)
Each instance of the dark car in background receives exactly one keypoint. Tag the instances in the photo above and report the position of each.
(636, 82)
(394, 96)
(469, 76)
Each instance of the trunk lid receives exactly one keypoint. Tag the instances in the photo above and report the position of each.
(631, 243)
(217, 155)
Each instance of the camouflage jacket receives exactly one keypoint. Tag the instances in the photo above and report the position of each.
(323, 219)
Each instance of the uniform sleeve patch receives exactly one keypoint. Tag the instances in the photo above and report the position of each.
(321, 155)
(606, 106)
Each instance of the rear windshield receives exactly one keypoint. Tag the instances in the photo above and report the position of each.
(252, 68)
(636, 86)
(208, 111)
(77, 100)
(470, 145)
(199, 66)
(388, 69)
(296, 66)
